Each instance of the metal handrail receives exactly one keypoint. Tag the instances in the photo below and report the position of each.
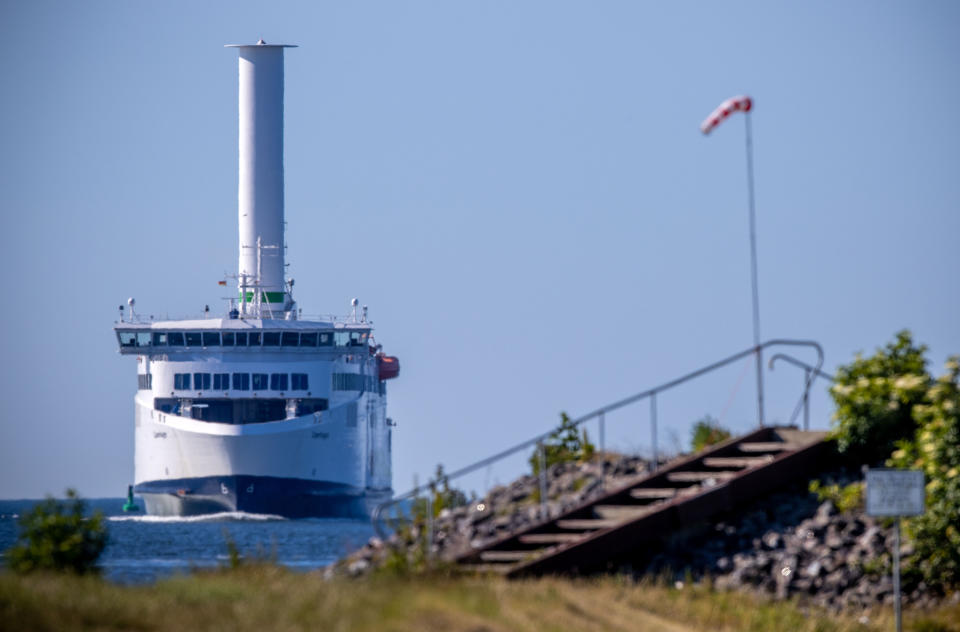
(801, 364)
(810, 372)
(600, 413)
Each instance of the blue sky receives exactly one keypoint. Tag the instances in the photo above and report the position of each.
(519, 191)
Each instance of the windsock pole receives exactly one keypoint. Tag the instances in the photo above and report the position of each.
(745, 104)
(753, 268)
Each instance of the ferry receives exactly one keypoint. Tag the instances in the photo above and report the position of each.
(260, 409)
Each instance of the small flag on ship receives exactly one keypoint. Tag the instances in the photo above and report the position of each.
(221, 282)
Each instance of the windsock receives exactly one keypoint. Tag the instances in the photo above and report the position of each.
(741, 103)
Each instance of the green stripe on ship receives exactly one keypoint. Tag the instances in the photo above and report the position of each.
(266, 297)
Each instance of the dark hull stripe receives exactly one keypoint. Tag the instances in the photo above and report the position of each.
(287, 497)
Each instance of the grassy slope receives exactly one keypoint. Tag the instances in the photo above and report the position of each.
(271, 598)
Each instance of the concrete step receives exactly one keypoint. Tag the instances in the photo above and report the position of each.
(549, 538)
(737, 461)
(699, 477)
(620, 512)
(765, 446)
(653, 492)
(587, 524)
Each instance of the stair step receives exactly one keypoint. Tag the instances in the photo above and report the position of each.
(653, 492)
(505, 556)
(737, 461)
(587, 524)
(620, 512)
(549, 538)
(697, 477)
(765, 446)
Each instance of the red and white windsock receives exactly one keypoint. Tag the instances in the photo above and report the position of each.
(741, 103)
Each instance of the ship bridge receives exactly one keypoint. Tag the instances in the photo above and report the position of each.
(226, 334)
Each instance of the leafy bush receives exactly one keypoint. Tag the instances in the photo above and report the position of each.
(875, 397)
(890, 401)
(443, 496)
(707, 432)
(935, 449)
(844, 498)
(57, 535)
(564, 445)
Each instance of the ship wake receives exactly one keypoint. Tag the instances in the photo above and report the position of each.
(223, 516)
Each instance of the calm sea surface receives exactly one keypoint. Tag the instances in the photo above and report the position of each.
(145, 548)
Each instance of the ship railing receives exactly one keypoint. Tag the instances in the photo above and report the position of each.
(141, 319)
(416, 505)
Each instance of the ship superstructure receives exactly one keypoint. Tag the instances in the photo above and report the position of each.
(260, 410)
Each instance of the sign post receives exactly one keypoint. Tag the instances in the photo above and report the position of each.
(895, 493)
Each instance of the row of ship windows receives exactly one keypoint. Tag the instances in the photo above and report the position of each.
(241, 381)
(259, 381)
(354, 382)
(130, 339)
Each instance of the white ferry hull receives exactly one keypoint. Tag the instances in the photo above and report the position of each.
(307, 466)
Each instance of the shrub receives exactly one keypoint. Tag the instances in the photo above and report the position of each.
(935, 449)
(844, 498)
(707, 432)
(57, 535)
(564, 445)
(875, 397)
(443, 495)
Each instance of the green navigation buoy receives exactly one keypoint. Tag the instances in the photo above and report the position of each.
(130, 505)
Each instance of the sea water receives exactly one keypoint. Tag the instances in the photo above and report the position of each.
(146, 548)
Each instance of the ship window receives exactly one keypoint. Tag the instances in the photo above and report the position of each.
(326, 339)
(348, 382)
(254, 337)
(308, 340)
(271, 339)
(241, 338)
(260, 381)
(278, 382)
(241, 381)
(289, 339)
(221, 381)
(227, 339)
(144, 381)
(350, 338)
(211, 339)
(127, 338)
(181, 381)
(298, 381)
(201, 381)
(193, 338)
(176, 339)
(143, 339)
(253, 411)
(159, 339)
(215, 410)
(308, 406)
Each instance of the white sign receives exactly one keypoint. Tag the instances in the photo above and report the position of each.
(895, 492)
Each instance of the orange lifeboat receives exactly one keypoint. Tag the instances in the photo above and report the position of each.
(388, 367)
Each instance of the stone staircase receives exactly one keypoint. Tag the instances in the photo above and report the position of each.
(628, 520)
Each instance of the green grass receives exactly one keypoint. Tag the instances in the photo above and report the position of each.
(267, 597)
